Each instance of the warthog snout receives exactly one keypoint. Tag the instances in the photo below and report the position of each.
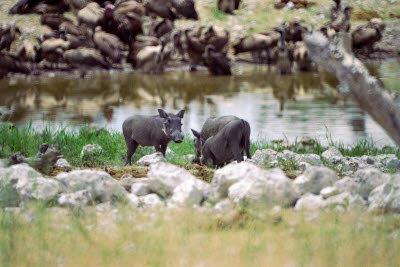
(177, 136)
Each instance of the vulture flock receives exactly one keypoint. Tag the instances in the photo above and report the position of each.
(114, 34)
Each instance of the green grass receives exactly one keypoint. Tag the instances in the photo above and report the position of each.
(27, 140)
(247, 236)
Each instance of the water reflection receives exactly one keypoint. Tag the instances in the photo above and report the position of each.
(275, 106)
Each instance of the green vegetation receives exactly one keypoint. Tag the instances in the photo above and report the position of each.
(244, 237)
(27, 140)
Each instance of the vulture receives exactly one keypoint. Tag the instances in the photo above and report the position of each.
(257, 44)
(218, 37)
(336, 10)
(365, 36)
(216, 62)
(27, 51)
(185, 8)
(160, 28)
(126, 27)
(11, 63)
(161, 8)
(126, 7)
(52, 50)
(151, 59)
(76, 5)
(7, 36)
(301, 57)
(342, 22)
(86, 57)
(284, 55)
(109, 45)
(53, 21)
(227, 6)
(38, 6)
(294, 31)
(195, 48)
(90, 15)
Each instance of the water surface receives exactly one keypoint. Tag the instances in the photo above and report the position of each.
(276, 106)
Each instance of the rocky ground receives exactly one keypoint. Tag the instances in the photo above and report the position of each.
(284, 179)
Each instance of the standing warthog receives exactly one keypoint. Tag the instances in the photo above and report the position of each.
(155, 131)
(210, 128)
(228, 144)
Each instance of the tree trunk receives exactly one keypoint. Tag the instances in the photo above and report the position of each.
(335, 54)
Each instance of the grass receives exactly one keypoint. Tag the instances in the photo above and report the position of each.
(247, 236)
(70, 142)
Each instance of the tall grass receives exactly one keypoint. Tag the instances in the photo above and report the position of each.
(245, 237)
(70, 142)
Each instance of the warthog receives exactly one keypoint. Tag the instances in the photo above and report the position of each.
(228, 144)
(155, 131)
(210, 128)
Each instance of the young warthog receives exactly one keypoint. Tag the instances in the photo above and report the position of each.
(210, 128)
(228, 144)
(155, 131)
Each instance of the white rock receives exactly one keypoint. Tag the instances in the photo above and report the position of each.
(188, 157)
(63, 165)
(314, 179)
(337, 200)
(79, 198)
(346, 184)
(265, 157)
(368, 179)
(22, 183)
(150, 201)
(223, 206)
(91, 150)
(389, 161)
(189, 193)
(100, 184)
(140, 189)
(304, 165)
(356, 202)
(133, 200)
(309, 202)
(126, 181)
(385, 197)
(168, 153)
(329, 191)
(3, 163)
(258, 185)
(151, 159)
(332, 155)
(164, 177)
(312, 159)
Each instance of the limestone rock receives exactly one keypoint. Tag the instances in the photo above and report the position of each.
(100, 184)
(332, 155)
(368, 179)
(265, 157)
(254, 184)
(63, 164)
(329, 192)
(22, 183)
(309, 202)
(151, 159)
(165, 177)
(90, 151)
(223, 206)
(189, 193)
(314, 179)
(385, 197)
(150, 201)
(76, 199)
(140, 189)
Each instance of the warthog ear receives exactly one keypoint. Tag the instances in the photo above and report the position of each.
(196, 133)
(162, 113)
(181, 113)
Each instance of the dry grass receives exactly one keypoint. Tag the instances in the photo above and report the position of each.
(245, 237)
